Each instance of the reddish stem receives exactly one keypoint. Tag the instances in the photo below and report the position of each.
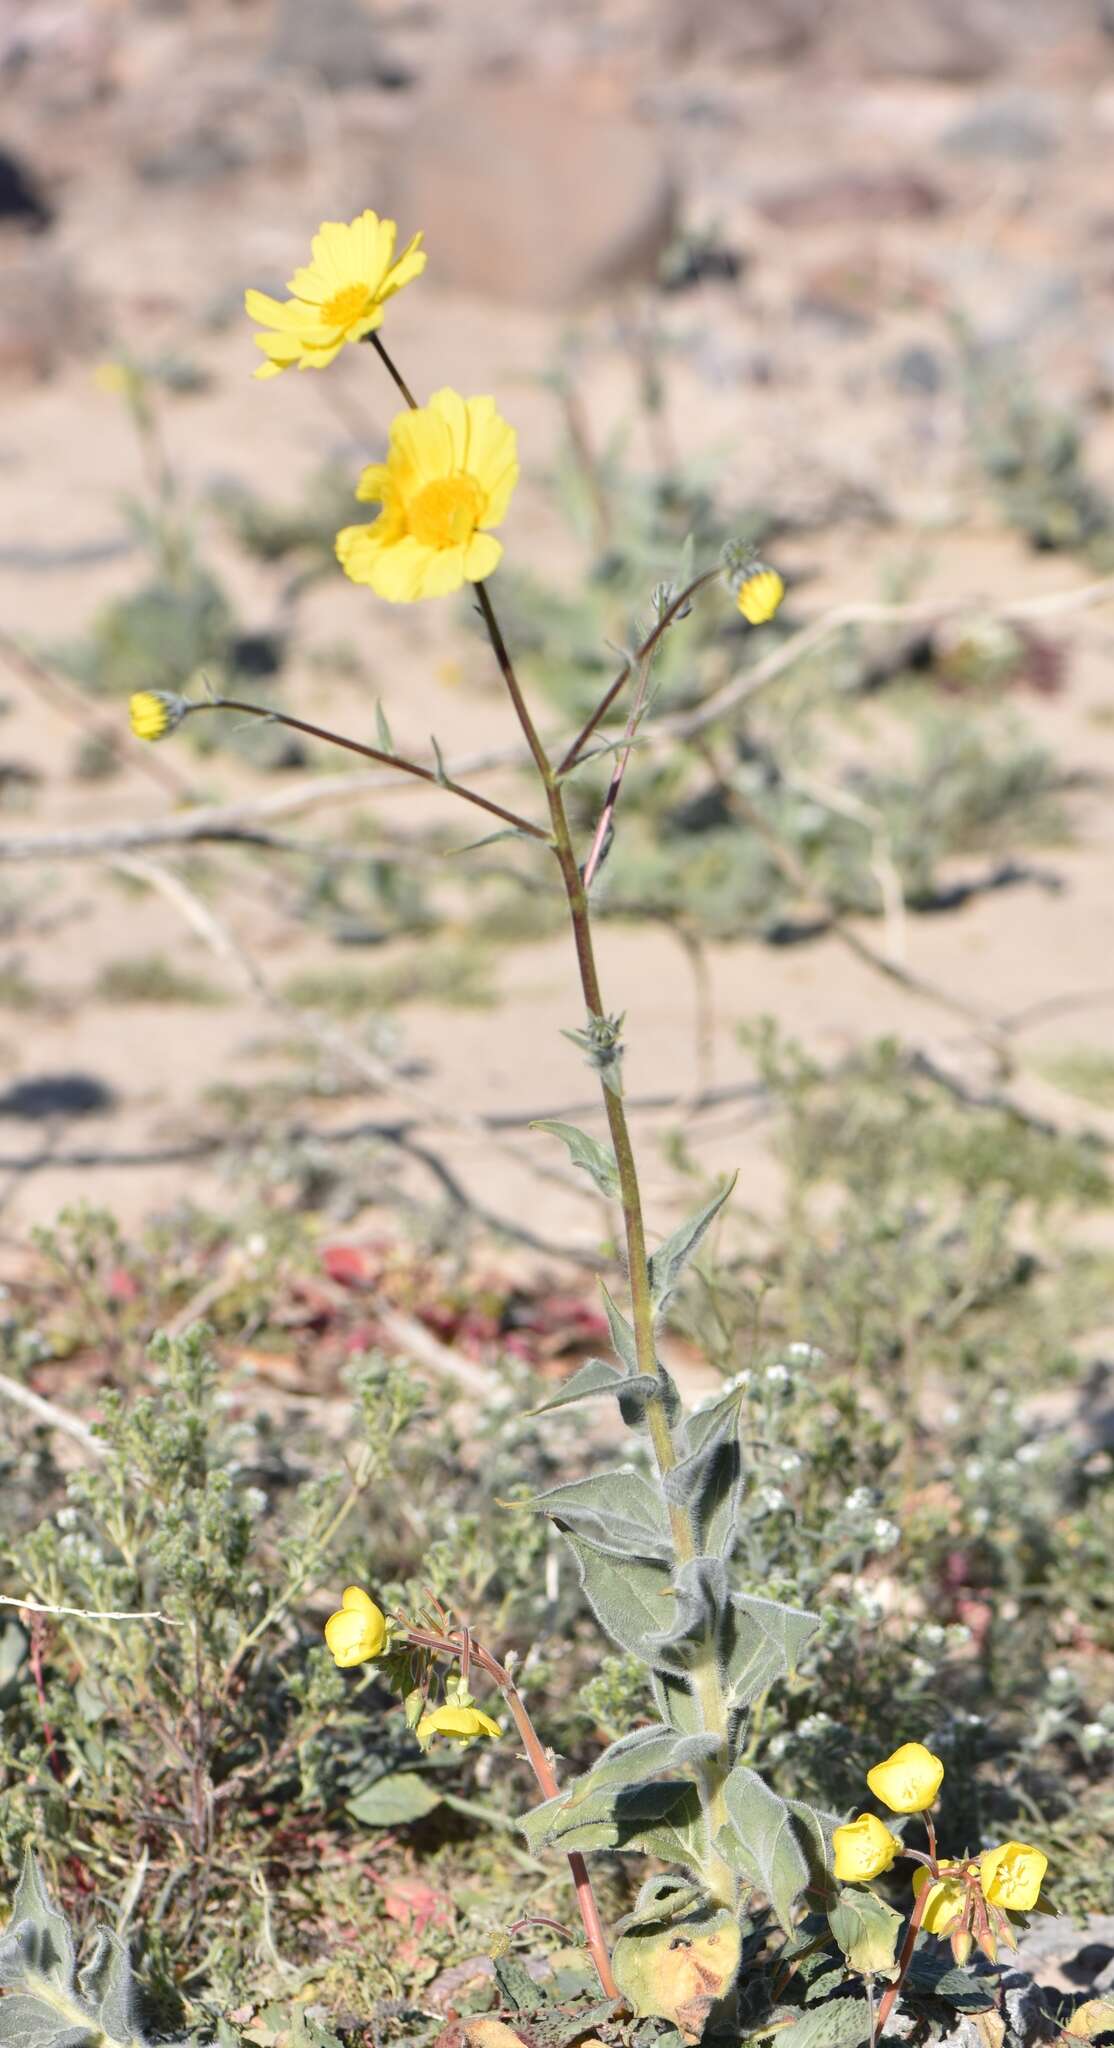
(35, 1660)
(547, 1781)
(892, 1991)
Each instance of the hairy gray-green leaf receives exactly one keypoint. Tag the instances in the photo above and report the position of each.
(629, 1600)
(705, 1482)
(633, 1817)
(645, 1754)
(699, 1601)
(842, 2023)
(622, 1335)
(620, 1512)
(596, 1159)
(866, 1930)
(48, 2005)
(596, 1376)
(669, 1261)
(761, 1641)
(676, 1701)
(761, 1841)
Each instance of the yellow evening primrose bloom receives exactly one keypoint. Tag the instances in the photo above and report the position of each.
(451, 467)
(339, 297)
(154, 713)
(907, 1781)
(1012, 1875)
(863, 1849)
(457, 1724)
(358, 1630)
(759, 594)
(947, 1899)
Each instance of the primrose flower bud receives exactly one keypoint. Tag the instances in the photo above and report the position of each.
(907, 1781)
(358, 1631)
(1012, 1875)
(864, 1848)
(461, 1725)
(154, 713)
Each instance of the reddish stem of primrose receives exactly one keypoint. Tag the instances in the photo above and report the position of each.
(892, 1992)
(547, 1782)
(35, 1661)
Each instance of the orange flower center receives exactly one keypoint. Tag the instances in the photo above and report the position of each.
(346, 306)
(445, 513)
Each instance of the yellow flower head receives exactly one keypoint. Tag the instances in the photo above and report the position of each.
(864, 1848)
(338, 298)
(358, 1630)
(1012, 1875)
(451, 467)
(947, 1899)
(907, 1781)
(154, 713)
(461, 1725)
(759, 594)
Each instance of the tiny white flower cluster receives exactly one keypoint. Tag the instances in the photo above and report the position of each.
(884, 1534)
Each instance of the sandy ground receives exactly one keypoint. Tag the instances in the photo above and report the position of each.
(822, 422)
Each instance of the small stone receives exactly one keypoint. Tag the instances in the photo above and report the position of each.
(40, 313)
(745, 31)
(523, 196)
(946, 40)
(833, 198)
(918, 370)
(1014, 130)
(335, 40)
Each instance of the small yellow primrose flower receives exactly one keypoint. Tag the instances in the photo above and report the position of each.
(358, 1630)
(1012, 1875)
(759, 594)
(338, 298)
(864, 1848)
(461, 1725)
(154, 713)
(451, 467)
(947, 1899)
(907, 1781)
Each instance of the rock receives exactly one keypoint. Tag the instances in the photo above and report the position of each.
(745, 31)
(918, 370)
(946, 39)
(1013, 129)
(40, 313)
(523, 196)
(834, 198)
(335, 40)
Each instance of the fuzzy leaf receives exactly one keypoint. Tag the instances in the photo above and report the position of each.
(620, 1512)
(596, 1159)
(841, 2023)
(671, 1258)
(866, 1930)
(762, 1640)
(630, 1601)
(645, 1754)
(622, 1335)
(699, 1601)
(761, 1842)
(706, 1484)
(634, 1817)
(632, 1399)
(47, 2006)
(675, 1701)
(679, 1971)
(598, 1377)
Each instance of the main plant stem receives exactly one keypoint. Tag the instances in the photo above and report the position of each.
(706, 1682)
